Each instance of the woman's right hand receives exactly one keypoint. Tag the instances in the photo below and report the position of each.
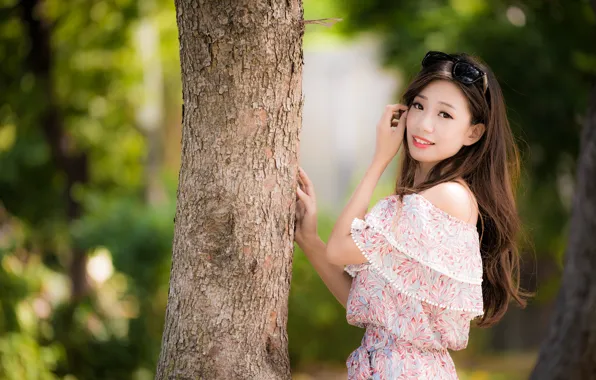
(390, 132)
(306, 211)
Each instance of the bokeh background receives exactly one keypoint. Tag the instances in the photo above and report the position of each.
(90, 128)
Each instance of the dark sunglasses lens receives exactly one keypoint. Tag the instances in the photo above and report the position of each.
(433, 57)
(466, 73)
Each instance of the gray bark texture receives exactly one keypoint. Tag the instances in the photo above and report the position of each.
(569, 351)
(234, 228)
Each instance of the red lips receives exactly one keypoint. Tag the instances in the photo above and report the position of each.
(422, 138)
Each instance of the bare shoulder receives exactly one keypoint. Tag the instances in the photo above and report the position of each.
(454, 198)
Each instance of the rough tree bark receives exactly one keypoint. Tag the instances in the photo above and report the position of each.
(232, 252)
(569, 351)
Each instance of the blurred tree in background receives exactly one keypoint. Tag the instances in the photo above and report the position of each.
(74, 190)
(569, 352)
(89, 152)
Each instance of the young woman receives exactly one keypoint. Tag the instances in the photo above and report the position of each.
(441, 251)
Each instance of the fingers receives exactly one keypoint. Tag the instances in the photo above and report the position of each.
(396, 107)
(393, 109)
(301, 183)
(306, 200)
(401, 121)
(299, 210)
(395, 118)
(301, 194)
(392, 114)
(308, 186)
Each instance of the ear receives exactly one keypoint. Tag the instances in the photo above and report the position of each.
(474, 134)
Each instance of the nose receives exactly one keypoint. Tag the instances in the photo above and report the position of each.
(426, 122)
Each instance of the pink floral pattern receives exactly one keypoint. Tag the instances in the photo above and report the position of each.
(416, 294)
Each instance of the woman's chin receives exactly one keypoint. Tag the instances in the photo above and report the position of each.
(420, 157)
(423, 160)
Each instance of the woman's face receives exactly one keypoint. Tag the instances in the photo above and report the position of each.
(440, 115)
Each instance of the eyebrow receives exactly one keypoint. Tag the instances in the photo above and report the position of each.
(425, 98)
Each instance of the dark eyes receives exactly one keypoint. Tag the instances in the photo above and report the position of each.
(419, 106)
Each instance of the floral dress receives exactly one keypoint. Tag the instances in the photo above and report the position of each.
(416, 294)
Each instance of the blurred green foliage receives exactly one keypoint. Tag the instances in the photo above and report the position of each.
(96, 81)
(317, 327)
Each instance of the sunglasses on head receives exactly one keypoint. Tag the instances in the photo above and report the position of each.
(462, 71)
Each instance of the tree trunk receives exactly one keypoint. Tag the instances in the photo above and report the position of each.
(234, 227)
(569, 352)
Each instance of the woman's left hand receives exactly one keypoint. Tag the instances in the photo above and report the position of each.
(305, 225)
(390, 132)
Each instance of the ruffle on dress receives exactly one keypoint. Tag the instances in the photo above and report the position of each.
(422, 251)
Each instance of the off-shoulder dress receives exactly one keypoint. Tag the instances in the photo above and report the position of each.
(417, 293)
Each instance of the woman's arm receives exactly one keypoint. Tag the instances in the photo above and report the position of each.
(335, 278)
(341, 249)
(305, 234)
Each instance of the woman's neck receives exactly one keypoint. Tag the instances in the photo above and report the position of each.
(422, 172)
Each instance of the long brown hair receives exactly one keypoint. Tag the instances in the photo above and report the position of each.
(491, 168)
